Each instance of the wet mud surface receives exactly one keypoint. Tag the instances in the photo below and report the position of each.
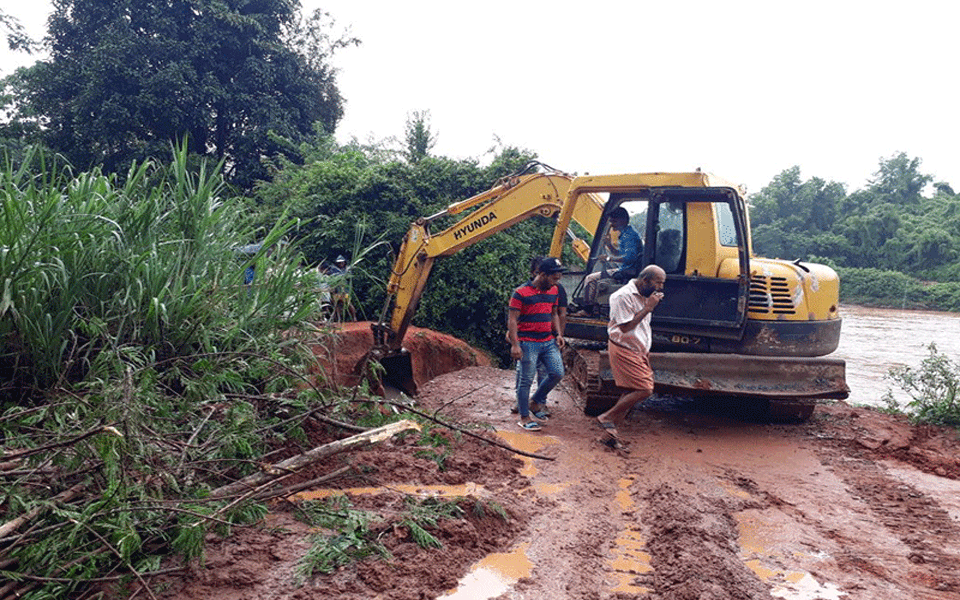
(853, 504)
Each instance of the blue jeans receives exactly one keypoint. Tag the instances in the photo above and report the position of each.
(541, 372)
(533, 353)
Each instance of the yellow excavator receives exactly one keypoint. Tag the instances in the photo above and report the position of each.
(746, 330)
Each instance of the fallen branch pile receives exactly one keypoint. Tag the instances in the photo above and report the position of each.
(30, 524)
(84, 497)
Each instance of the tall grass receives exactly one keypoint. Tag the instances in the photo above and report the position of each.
(90, 265)
(139, 371)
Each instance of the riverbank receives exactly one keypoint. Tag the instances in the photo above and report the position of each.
(878, 288)
(875, 340)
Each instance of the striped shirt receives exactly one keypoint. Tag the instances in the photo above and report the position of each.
(536, 306)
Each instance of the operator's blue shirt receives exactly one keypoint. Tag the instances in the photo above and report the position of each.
(630, 248)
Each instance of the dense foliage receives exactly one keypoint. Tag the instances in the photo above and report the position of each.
(127, 78)
(350, 197)
(139, 372)
(890, 225)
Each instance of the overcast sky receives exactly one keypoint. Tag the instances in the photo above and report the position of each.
(743, 89)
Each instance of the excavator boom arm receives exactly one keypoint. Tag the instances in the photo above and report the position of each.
(513, 200)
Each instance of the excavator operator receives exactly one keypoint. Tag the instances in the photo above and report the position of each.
(631, 249)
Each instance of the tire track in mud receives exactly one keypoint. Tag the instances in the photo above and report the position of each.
(570, 543)
(915, 518)
(912, 517)
(861, 560)
(694, 550)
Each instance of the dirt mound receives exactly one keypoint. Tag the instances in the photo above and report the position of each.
(432, 353)
(930, 448)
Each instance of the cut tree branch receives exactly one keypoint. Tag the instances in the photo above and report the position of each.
(295, 463)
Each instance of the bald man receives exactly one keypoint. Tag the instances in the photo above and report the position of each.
(629, 340)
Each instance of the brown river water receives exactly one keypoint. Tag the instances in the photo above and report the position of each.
(873, 340)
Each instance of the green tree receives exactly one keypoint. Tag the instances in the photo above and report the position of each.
(15, 138)
(797, 205)
(943, 189)
(125, 78)
(418, 139)
(788, 214)
(899, 179)
(17, 38)
(934, 246)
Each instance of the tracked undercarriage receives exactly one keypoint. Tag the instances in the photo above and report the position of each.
(757, 387)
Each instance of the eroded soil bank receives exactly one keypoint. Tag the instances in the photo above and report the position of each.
(853, 504)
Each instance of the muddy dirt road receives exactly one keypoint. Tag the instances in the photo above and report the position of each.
(853, 504)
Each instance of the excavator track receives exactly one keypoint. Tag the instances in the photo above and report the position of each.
(758, 388)
(593, 380)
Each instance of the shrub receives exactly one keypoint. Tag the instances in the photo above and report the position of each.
(877, 287)
(933, 387)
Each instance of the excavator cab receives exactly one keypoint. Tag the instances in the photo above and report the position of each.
(699, 237)
(733, 326)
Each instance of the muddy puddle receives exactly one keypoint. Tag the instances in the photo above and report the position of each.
(493, 575)
(757, 540)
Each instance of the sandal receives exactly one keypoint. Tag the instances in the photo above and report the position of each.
(612, 443)
(541, 413)
(530, 426)
(610, 436)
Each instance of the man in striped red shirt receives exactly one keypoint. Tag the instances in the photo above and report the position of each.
(534, 332)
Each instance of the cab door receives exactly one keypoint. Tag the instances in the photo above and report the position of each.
(699, 237)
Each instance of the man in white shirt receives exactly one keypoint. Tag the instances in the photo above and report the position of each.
(629, 341)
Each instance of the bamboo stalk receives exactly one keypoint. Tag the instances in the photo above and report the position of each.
(30, 451)
(298, 487)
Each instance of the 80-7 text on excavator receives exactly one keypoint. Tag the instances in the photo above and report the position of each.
(752, 332)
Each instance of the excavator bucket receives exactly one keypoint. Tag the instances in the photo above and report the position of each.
(398, 372)
(394, 370)
(774, 388)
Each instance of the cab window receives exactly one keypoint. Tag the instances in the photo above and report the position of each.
(668, 250)
(727, 229)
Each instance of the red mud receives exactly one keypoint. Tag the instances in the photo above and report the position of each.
(432, 353)
(853, 504)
